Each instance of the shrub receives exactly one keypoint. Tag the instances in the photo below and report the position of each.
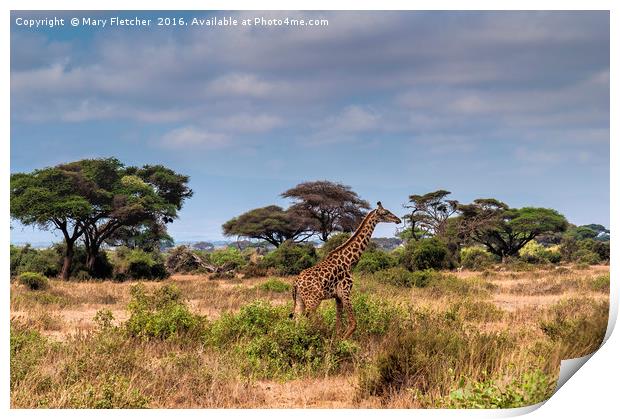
(375, 260)
(33, 280)
(253, 270)
(475, 258)
(27, 348)
(275, 285)
(273, 346)
(138, 264)
(531, 388)
(228, 259)
(28, 259)
(426, 354)
(425, 254)
(290, 258)
(161, 315)
(397, 276)
(601, 283)
(332, 243)
(534, 252)
(588, 257)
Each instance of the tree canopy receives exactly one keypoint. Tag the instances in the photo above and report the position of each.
(327, 207)
(503, 230)
(95, 198)
(429, 213)
(271, 223)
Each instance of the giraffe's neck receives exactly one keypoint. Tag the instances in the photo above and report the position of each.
(351, 250)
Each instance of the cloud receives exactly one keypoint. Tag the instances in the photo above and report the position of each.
(191, 137)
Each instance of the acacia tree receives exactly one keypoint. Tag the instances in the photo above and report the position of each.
(429, 213)
(133, 197)
(327, 206)
(271, 223)
(94, 198)
(503, 230)
(49, 199)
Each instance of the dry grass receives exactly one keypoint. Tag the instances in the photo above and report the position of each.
(64, 359)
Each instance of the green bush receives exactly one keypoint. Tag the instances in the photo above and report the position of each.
(401, 277)
(228, 259)
(587, 256)
(534, 252)
(375, 260)
(275, 285)
(161, 315)
(475, 258)
(332, 243)
(290, 258)
(27, 348)
(531, 388)
(270, 345)
(601, 283)
(28, 259)
(424, 254)
(138, 264)
(33, 280)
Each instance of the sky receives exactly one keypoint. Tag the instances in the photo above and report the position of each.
(510, 105)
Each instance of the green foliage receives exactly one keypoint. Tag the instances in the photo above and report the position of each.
(111, 391)
(33, 280)
(28, 259)
(27, 348)
(601, 283)
(332, 243)
(229, 258)
(534, 252)
(531, 388)
(424, 254)
(375, 260)
(475, 258)
(161, 315)
(290, 258)
(138, 264)
(273, 346)
(396, 276)
(275, 285)
(426, 354)
(505, 230)
(271, 223)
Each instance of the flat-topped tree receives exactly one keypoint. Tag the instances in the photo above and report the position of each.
(271, 223)
(53, 198)
(93, 199)
(503, 230)
(429, 213)
(147, 195)
(327, 206)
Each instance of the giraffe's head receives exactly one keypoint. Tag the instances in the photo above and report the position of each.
(385, 216)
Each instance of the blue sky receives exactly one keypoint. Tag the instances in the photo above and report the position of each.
(511, 105)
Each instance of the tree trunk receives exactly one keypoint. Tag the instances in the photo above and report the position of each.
(68, 259)
(91, 258)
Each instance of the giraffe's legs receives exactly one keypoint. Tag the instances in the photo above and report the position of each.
(348, 308)
(338, 315)
(311, 306)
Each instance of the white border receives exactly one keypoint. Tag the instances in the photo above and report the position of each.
(591, 392)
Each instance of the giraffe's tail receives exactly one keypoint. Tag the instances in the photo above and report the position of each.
(291, 315)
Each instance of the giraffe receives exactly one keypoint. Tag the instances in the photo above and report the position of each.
(331, 278)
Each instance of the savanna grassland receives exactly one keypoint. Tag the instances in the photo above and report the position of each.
(463, 339)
